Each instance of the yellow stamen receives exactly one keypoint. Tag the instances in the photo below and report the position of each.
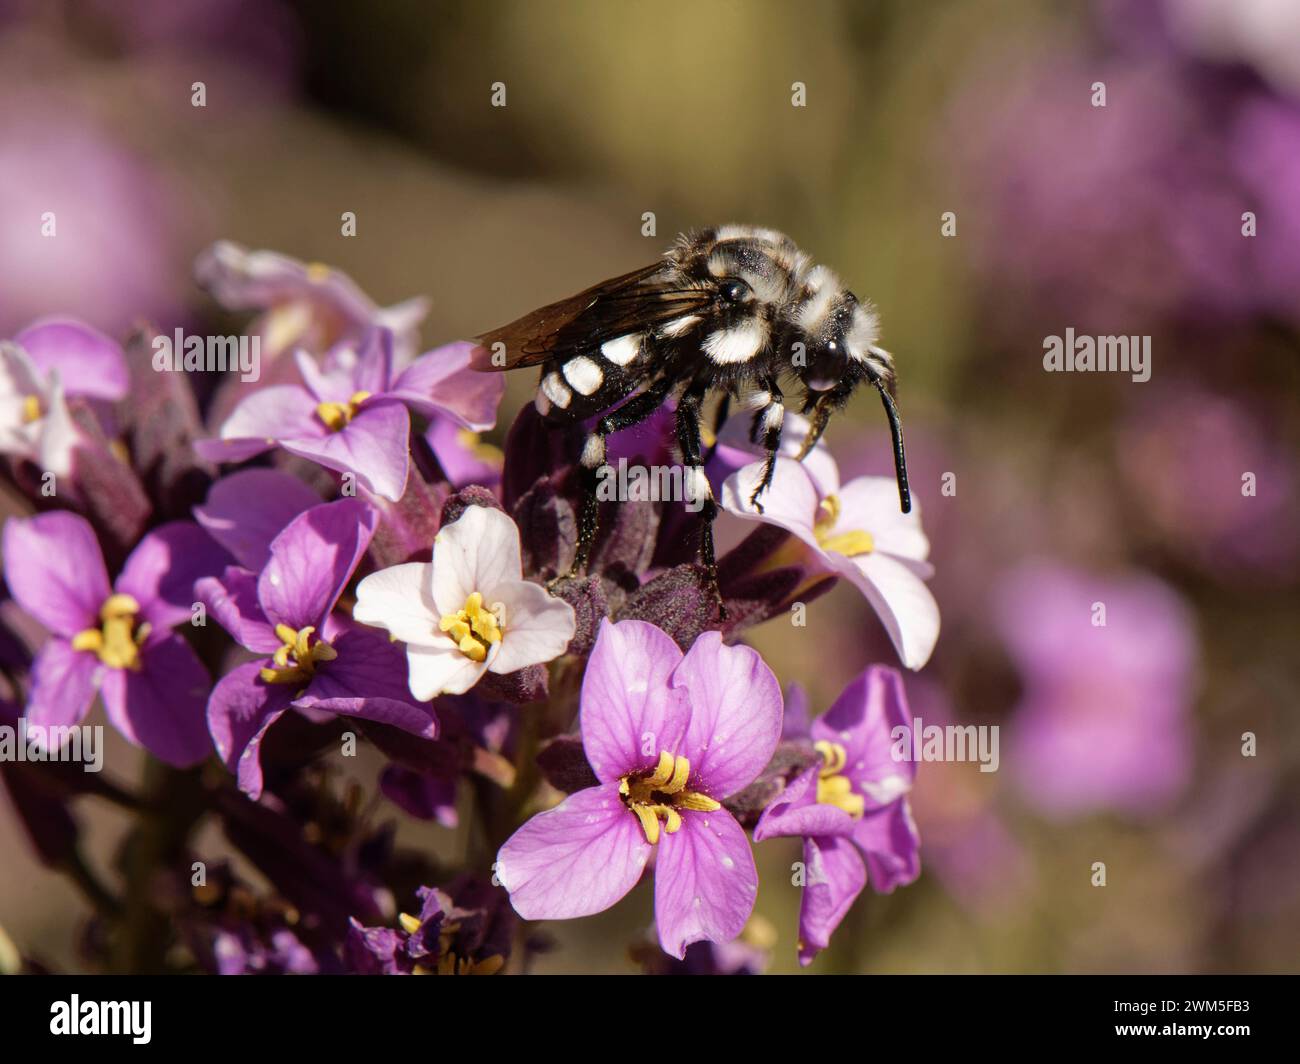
(296, 659)
(317, 272)
(484, 452)
(474, 628)
(661, 794)
(31, 409)
(833, 788)
(118, 638)
(410, 924)
(850, 543)
(339, 415)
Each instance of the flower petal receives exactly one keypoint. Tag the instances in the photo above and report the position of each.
(834, 877)
(312, 561)
(576, 859)
(538, 626)
(479, 551)
(705, 881)
(442, 382)
(863, 720)
(735, 703)
(790, 501)
(161, 572)
(375, 445)
(55, 570)
(399, 599)
(796, 812)
(870, 504)
(246, 510)
(901, 601)
(89, 362)
(160, 706)
(441, 670)
(232, 600)
(240, 710)
(63, 685)
(282, 411)
(892, 846)
(629, 711)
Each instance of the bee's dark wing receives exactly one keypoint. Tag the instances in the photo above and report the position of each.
(631, 303)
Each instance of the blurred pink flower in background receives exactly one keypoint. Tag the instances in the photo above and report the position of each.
(110, 256)
(1104, 722)
(1184, 451)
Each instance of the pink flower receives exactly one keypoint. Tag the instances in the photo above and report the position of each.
(669, 736)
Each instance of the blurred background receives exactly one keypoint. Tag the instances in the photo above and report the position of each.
(1121, 744)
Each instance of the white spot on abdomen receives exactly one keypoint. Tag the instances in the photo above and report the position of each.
(556, 391)
(623, 350)
(584, 375)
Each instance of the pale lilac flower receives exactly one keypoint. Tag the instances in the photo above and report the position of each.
(49, 362)
(351, 413)
(669, 736)
(852, 809)
(115, 639)
(312, 659)
(305, 305)
(469, 611)
(1104, 720)
(854, 531)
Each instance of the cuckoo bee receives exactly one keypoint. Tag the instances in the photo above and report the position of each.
(735, 310)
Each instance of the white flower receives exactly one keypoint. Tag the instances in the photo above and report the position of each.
(855, 531)
(34, 419)
(469, 611)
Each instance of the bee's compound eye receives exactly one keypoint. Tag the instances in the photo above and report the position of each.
(733, 290)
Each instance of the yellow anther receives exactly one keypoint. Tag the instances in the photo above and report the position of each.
(834, 757)
(663, 771)
(32, 409)
(649, 821)
(118, 638)
(661, 795)
(295, 660)
(838, 791)
(475, 627)
(337, 416)
(484, 452)
(317, 272)
(681, 773)
(410, 924)
(849, 543)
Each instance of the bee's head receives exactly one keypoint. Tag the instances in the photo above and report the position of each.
(838, 334)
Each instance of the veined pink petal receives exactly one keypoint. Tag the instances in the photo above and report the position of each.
(705, 881)
(834, 876)
(735, 705)
(630, 714)
(55, 570)
(240, 710)
(89, 362)
(576, 859)
(796, 812)
(891, 845)
(161, 572)
(790, 501)
(160, 706)
(63, 685)
(441, 382)
(374, 445)
(246, 510)
(232, 600)
(281, 411)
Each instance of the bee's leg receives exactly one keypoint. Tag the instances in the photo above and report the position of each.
(633, 412)
(688, 439)
(720, 415)
(768, 420)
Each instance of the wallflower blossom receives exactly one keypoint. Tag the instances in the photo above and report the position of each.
(669, 736)
(851, 809)
(469, 611)
(49, 362)
(305, 305)
(117, 638)
(350, 414)
(855, 531)
(312, 659)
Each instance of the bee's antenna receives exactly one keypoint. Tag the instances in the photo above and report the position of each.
(900, 460)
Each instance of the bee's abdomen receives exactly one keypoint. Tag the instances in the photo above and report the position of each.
(587, 384)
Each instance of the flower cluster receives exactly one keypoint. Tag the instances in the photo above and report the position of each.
(263, 582)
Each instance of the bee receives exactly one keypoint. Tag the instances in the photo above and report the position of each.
(733, 310)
